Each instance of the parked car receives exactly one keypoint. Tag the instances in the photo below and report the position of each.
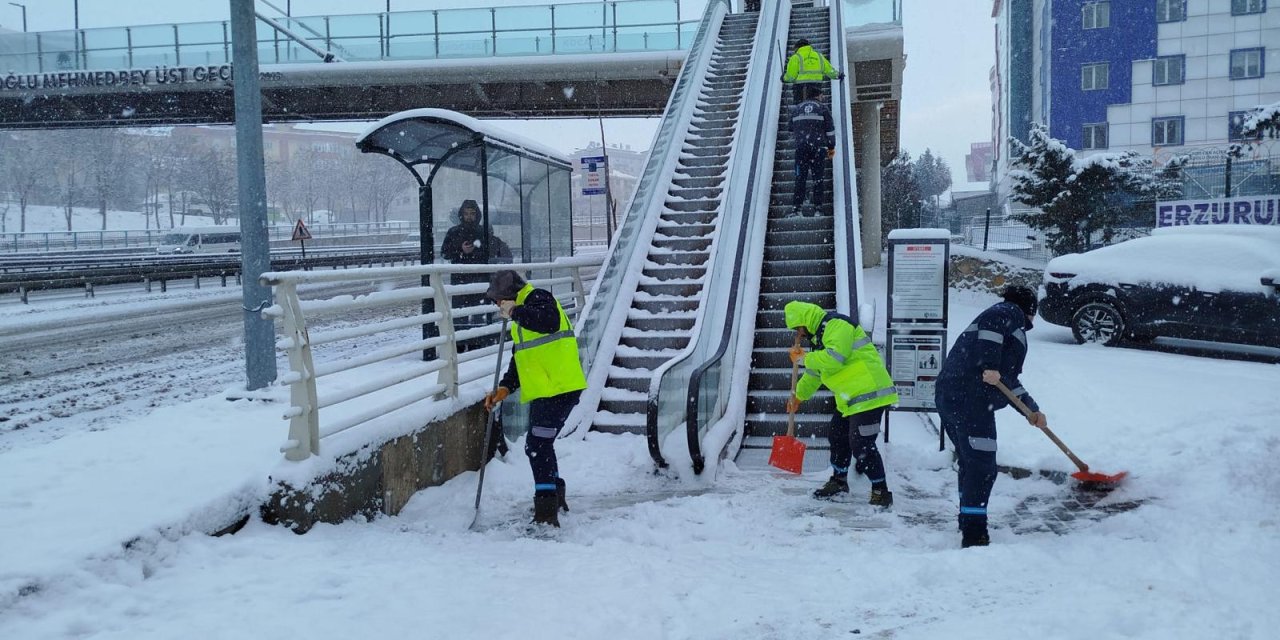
(1219, 283)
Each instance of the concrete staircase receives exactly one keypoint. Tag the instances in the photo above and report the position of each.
(799, 264)
(670, 291)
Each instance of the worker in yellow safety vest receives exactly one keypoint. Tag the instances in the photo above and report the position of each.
(845, 361)
(806, 65)
(545, 367)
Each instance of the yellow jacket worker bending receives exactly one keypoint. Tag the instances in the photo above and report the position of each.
(844, 360)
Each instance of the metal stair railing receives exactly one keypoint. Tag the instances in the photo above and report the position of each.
(389, 377)
(606, 308)
(694, 388)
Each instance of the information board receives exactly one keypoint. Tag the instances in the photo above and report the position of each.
(915, 358)
(917, 281)
(593, 175)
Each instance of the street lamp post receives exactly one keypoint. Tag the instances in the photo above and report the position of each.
(24, 14)
(75, 8)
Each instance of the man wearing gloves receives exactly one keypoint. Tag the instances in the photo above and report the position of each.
(845, 361)
(806, 66)
(544, 364)
(991, 350)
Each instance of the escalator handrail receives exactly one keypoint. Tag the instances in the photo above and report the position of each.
(844, 198)
(625, 258)
(744, 136)
(726, 332)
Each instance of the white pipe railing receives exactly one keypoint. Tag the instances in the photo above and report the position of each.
(293, 313)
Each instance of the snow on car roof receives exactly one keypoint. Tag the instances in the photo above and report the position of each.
(1225, 260)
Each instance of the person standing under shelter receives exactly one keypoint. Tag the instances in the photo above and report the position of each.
(464, 243)
(807, 66)
(990, 350)
(545, 367)
(845, 361)
(814, 135)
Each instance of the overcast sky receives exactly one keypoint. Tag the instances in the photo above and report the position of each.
(946, 95)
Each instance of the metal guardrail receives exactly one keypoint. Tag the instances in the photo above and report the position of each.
(307, 398)
(162, 270)
(586, 27)
(47, 241)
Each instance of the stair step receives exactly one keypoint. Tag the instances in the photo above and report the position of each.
(798, 268)
(794, 284)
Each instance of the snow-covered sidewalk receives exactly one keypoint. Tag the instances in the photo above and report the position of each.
(749, 556)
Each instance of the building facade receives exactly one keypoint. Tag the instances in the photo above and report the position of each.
(1159, 77)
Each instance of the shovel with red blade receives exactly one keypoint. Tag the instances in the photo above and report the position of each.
(1084, 474)
(788, 452)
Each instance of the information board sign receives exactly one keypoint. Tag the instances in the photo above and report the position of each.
(915, 358)
(593, 175)
(918, 280)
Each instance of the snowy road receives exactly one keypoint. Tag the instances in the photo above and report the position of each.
(87, 366)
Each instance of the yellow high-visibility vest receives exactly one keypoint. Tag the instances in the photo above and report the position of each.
(547, 363)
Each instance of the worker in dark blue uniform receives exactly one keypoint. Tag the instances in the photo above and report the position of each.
(814, 135)
(990, 350)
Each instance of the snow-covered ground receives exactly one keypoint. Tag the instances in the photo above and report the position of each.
(46, 218)
(95, 529)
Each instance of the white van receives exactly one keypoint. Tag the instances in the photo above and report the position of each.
(200, 240)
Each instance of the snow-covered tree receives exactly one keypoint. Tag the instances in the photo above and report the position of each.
(1077, 198)
(1263, 121)
(900, 197)
(932, 175)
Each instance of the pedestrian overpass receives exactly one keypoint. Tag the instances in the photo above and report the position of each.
(617, 58)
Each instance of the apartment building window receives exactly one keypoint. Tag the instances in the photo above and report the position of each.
(1246, 63)
(1093, 76)
(1235, 125)
(1166, 131)
(1171, 10)
(1096, 15)
(1169, 70)
(1245, 7)
(1095, 136)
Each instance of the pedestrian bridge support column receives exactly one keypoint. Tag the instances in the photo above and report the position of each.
(869, 181)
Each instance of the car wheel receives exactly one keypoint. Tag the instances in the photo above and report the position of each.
(1098, 322)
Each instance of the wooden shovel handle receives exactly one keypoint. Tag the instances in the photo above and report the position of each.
(1026, 411)
(795, 374)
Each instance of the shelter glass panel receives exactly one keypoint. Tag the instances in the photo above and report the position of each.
(454, 183)
(504, 203)
(560, 196)
(534, 188)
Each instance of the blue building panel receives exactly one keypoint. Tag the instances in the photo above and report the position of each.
(1130, 36)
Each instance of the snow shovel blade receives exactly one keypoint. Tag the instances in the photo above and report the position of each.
(1095, 480)
(787, 454)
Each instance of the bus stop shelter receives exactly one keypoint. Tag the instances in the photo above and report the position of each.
(522, 187)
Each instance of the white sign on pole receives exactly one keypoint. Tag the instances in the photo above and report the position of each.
(917, 282)
(593, 175)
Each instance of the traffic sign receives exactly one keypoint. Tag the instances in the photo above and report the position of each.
(300, 231)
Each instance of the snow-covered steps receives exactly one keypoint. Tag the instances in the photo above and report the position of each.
(670, 289)
(799, 264)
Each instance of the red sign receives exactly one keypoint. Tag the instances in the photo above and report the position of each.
(300, 231)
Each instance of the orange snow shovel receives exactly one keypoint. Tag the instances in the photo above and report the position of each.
(1084, 475)
(788, 452)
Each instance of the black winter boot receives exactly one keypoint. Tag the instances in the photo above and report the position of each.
(560, 493)
(974, 539)
(881, 497)
(834, 485)
(545, 506)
